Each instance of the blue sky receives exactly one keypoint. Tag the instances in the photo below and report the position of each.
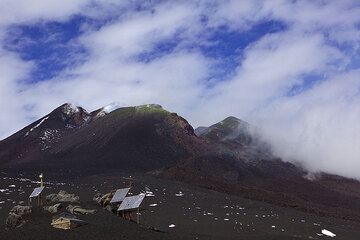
(289, 67)
(52, 45)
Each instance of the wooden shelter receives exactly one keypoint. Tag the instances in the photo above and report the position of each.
(131, 205)
(37, 192)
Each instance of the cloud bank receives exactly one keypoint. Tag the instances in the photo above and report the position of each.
(289, 67)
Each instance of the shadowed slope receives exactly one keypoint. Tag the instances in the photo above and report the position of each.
(142, 138)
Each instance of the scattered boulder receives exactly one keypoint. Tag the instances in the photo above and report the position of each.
(105, 199)
(21, 210)
(97, 198)
(78, 210)
(111, 208)
(54, 208)
(15, 218)
(62, 196)
(154, 229)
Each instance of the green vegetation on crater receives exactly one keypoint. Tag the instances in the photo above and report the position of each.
(147, 109)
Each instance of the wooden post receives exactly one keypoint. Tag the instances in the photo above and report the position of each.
(41, 176)
(130, 179)
(138, 216)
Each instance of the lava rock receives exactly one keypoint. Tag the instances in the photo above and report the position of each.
(54, 208)
(15, 216)
(78, 210)
(62, 196)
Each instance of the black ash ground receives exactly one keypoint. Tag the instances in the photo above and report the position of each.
(177, 210)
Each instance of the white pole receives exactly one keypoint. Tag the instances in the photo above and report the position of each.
(41, 180)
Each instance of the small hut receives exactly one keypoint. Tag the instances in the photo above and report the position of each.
(37, 192)
(131, 205)
(66, 221)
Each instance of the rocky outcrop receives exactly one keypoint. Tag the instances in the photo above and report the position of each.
(54, 208)
(104, 201)
(62, 196)
(13, 221)
(79, 210)
(15, 218)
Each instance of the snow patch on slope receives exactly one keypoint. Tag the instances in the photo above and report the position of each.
(328, 233)
(37, 125)
(111, 107)
(70, 108)
(49, 134)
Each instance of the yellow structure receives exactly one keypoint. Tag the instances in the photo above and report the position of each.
(66, 221)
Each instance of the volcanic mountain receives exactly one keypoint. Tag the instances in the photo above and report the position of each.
(35, 141)
(142, 138)
(228, 156)
(242, 163)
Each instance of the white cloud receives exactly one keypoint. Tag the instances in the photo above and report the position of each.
(319, 127)
(140, 30)
(23, 12)
(13, 70)
(270, 68)
(13, 115)
(131, 84)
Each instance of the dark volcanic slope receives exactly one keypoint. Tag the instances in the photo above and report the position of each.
(36, 140)
(231, 132)
(142, 138)
(196, 213)
(238, 138)
(245, 166)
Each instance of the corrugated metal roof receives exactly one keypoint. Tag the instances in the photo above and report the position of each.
(131, 202)
(119, 195)
(36, 192)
